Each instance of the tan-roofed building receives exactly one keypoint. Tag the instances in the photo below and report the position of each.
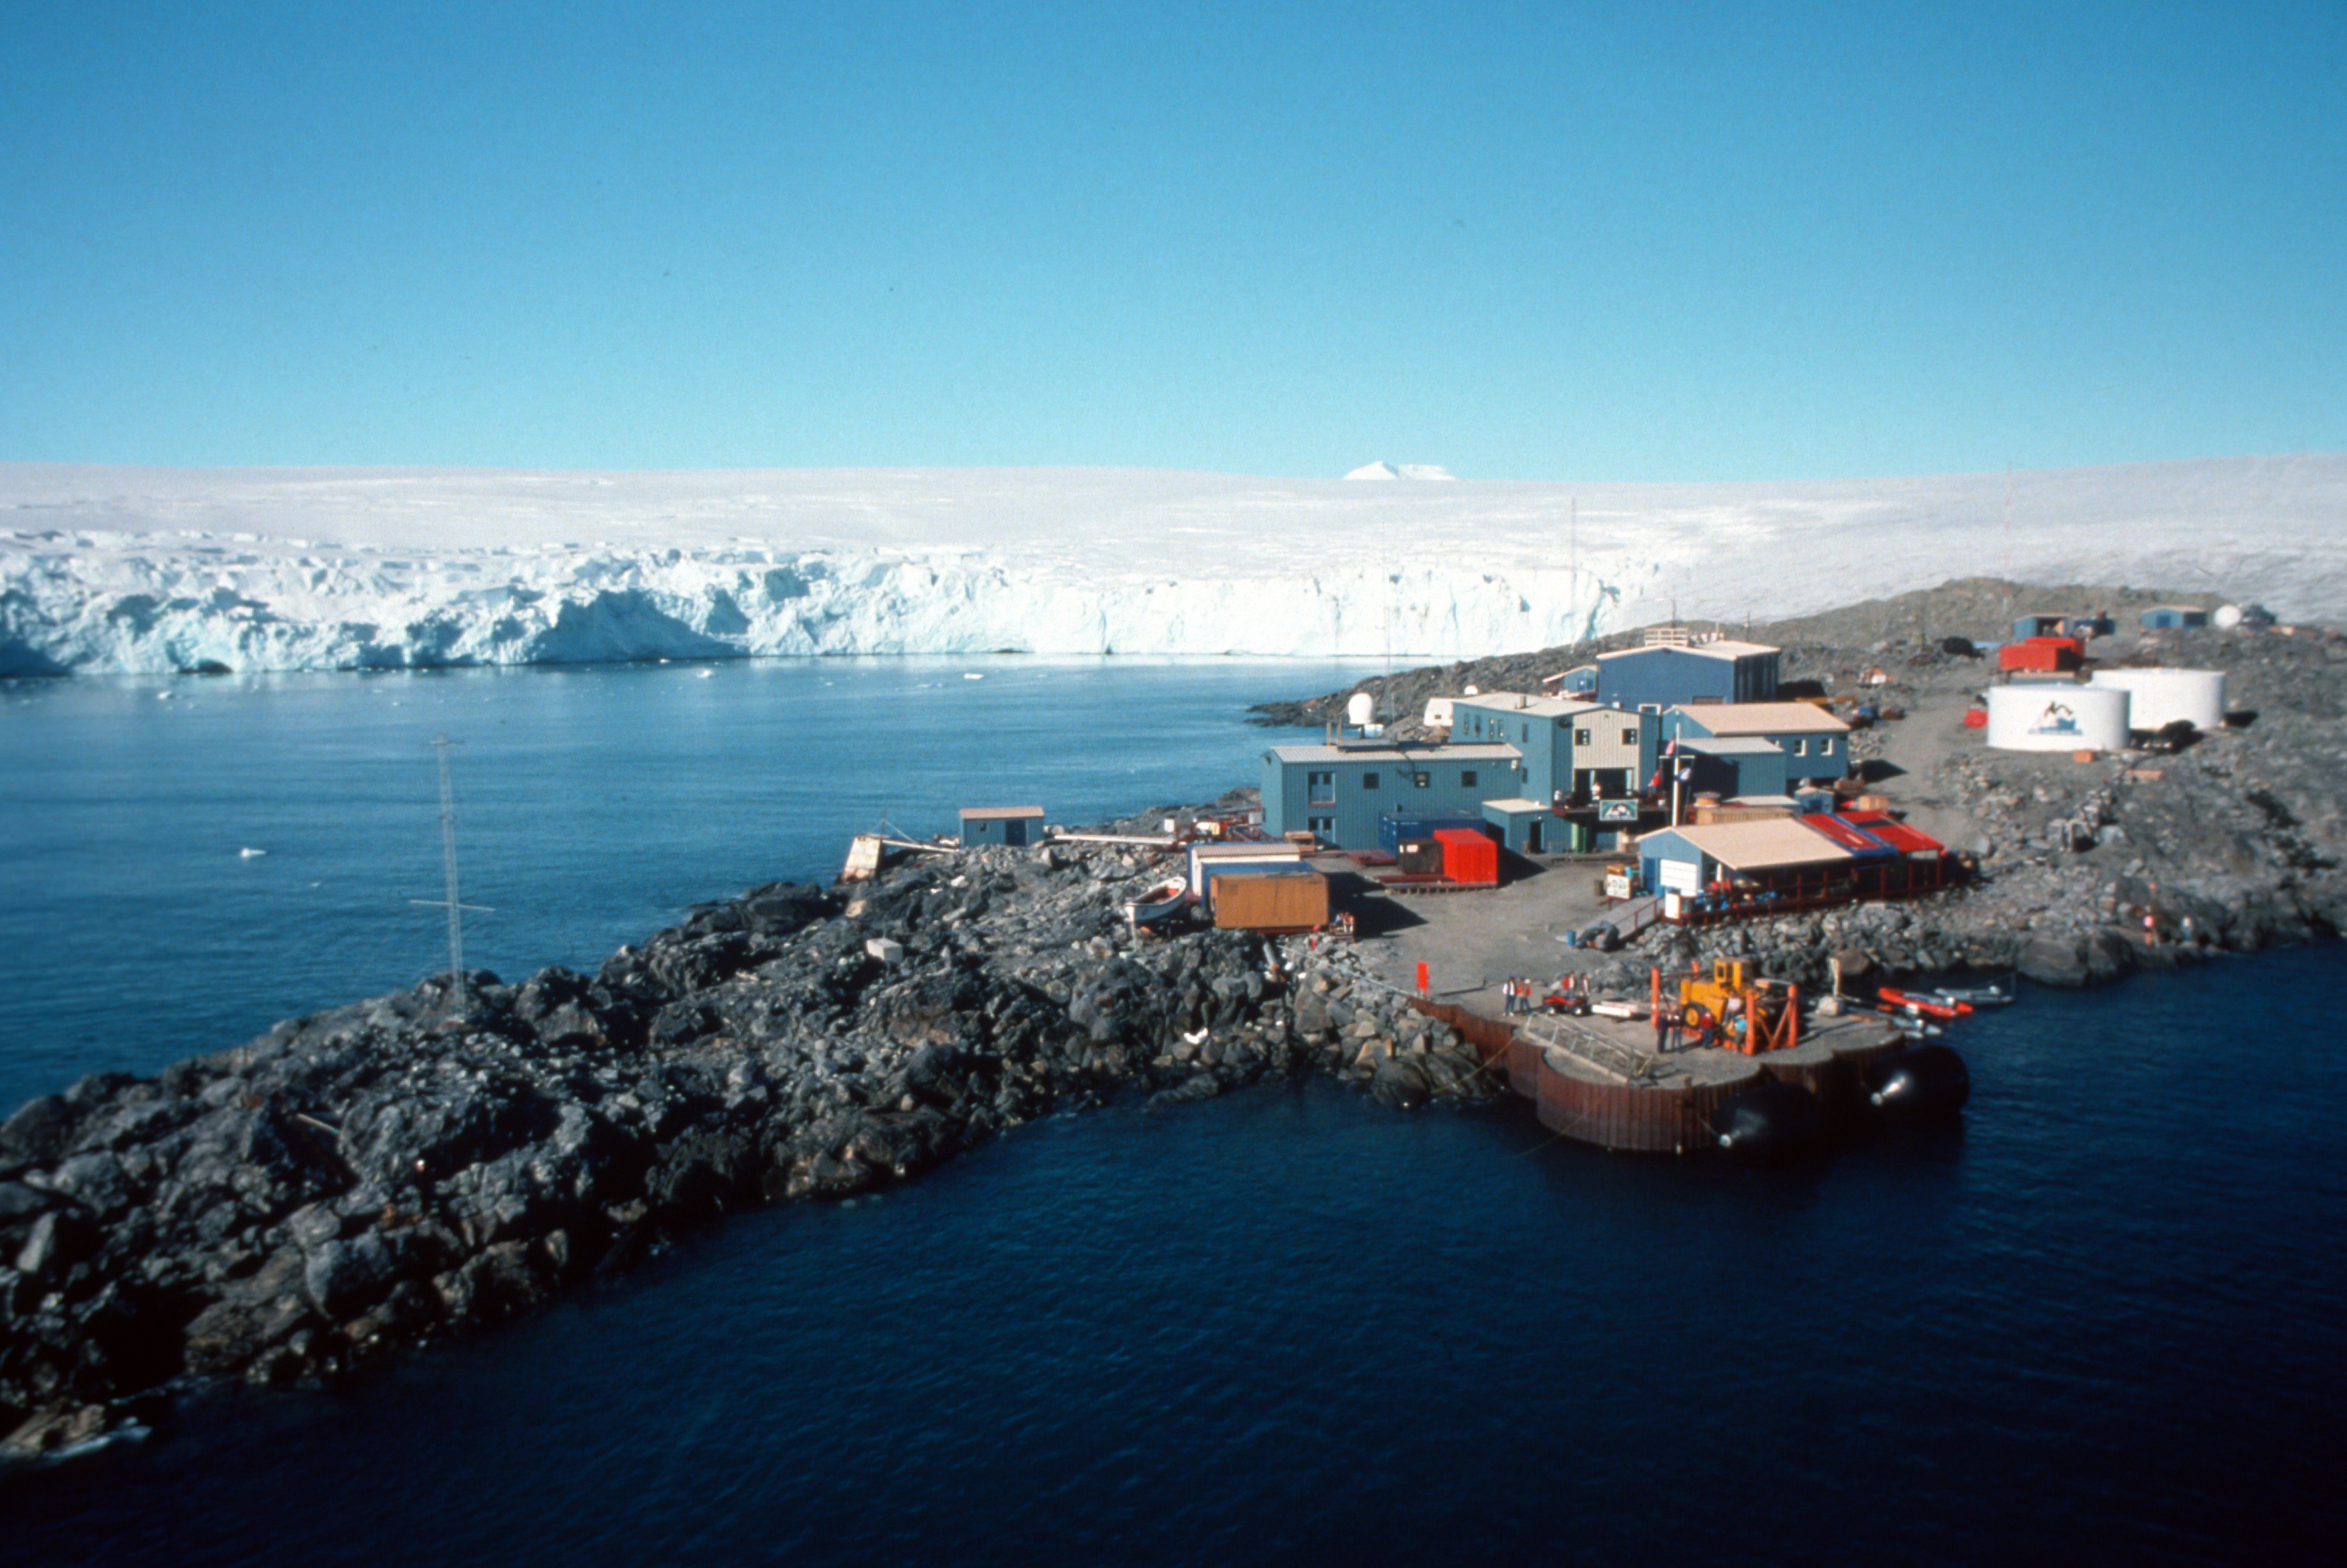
(1816, 744)
(1763, 719)
(1766, 852)
(1760, 844)
(1016, 825)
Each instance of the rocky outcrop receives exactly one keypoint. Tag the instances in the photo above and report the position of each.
(400, 1170)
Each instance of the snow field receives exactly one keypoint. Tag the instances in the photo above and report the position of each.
(151, 571)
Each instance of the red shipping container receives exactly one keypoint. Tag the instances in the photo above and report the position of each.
(1469, 856)
(2043, 654)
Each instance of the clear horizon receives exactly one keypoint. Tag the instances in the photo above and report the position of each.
(1607, 244)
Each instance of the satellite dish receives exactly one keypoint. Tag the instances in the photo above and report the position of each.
(1475, 690)
(2227, 616)
(1361, 710)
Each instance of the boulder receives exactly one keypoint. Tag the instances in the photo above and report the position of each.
(2052, 960)
(1401, 1082)
(38, 1134)
(342, 1276)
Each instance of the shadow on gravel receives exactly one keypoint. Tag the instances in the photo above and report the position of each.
(1874, 770)
(1382, 917)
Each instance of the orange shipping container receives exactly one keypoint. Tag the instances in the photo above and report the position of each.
(1274, 901)
(1469, 856)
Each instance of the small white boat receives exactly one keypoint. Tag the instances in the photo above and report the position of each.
(1161, 904)
(1977, 996)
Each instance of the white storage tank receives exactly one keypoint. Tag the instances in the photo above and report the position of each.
(2157, 698)
(2058, 718)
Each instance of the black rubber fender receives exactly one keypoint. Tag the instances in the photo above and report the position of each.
(1917, 1083)
(1768, 1119)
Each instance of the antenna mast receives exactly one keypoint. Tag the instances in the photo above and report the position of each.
(448, 867)
(2008, 528)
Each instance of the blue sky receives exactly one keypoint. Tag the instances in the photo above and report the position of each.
(1559, 241)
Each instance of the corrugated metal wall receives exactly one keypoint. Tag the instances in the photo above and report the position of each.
(1656, 1120)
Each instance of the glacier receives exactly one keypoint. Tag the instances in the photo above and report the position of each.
(111, 569)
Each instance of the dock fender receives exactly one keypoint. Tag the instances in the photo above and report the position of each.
(1917, 1083)
(1771, 1118)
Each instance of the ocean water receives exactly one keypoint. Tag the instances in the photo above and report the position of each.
(2099, 1320)
(594, 804)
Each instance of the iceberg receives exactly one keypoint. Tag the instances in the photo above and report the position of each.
(127, 570)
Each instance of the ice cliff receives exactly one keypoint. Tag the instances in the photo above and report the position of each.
(111, 569)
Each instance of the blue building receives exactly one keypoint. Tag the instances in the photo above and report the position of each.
(1511, 761)
(1337, 793)
(1665, 674)
(1734, 765)
(1016, 825)
(1816, 744)
(1531, 826)
(1570, 750)
(1579, 681)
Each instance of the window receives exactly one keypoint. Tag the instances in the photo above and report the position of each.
(1581, 737)
(1800, 748)
(1629, 737)
(1322, 827)
(1825, 747)
(1467, 778)
(1319, 786)
(1421, 780)
(1369, 781)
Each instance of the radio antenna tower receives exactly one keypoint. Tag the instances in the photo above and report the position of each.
(440, 744)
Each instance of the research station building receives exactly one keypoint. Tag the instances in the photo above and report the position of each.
(1339, 792)
(1665, 673)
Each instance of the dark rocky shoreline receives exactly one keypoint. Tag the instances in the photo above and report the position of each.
(388, 1174)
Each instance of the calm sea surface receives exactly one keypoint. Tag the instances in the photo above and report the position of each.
(2105, 1320)
(594, 804)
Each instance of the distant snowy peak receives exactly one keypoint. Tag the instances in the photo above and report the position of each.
(1402, 471)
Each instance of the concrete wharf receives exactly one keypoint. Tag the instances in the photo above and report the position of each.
(1609, 1082)
(1615, 1083)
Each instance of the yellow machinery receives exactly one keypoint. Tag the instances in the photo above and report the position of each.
(1733, 1009)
